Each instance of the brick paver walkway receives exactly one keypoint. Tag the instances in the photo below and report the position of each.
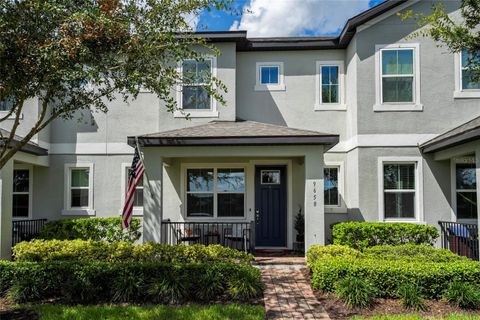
(288, 294)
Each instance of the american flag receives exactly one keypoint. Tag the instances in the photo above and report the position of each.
(136, 174)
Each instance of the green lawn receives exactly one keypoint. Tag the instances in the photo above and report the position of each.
(417, 317)
(115, 312)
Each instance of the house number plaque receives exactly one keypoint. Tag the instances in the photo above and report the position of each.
(314, 193)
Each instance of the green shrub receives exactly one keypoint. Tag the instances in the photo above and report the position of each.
(463, 295)
(89, 250)
(411, 251)
(355, 292)
(432, 278)
(411, 297)
(104, 282)
(361, 235)
(317, 252)
(108, 229)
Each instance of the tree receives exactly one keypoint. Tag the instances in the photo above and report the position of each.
(78, 55)
(456, 34)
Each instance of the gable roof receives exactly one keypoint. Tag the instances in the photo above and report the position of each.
(30, 147)
(464, 133)
(302, 43)
(235, 133)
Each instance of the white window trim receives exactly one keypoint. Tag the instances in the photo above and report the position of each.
(11, 117)
(215, 167)
(459, 92)
(30, 190)
(67, 209)
(416, 105)
(342, 206)
(270, 87)
(419, 214)
(137, 211)
(319, 105)
(453, 180)
(208, 113)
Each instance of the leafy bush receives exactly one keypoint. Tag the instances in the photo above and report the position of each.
(463, 295)
(89, 250)
(317, 252)
(361, 235)
(107, 229)
(432, 278)
(411, 251)
(355, 292)
(411, 297)
(87, 282)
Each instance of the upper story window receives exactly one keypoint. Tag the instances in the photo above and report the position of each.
(78, 189)
(398, 78)
(6, 104)
(330, 86)
(270, 76)
(400, 189)
(193, 97)
(466, 86)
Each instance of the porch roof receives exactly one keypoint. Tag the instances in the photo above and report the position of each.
(30, 147)
(228, 133)
(462, 134)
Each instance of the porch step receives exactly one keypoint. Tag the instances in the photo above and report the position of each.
(261, 260)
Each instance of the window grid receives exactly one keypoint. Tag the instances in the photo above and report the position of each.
(272, 74)
(215, 191)
(463, 193)
(472, 85)
(138, 197)
(331, 200)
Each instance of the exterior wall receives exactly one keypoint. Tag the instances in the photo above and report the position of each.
(441, 111)
(293, 107)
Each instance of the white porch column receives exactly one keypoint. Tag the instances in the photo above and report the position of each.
(314, 210)
(477, 172)
(6, 189)
(153, 197)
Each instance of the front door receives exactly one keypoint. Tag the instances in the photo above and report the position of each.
(270, 206)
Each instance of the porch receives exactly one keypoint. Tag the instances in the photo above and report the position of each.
(239, 184)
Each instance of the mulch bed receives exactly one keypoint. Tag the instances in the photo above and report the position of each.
(8, 312)
(337, 309)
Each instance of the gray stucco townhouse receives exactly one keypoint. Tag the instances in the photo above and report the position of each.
(370, 125)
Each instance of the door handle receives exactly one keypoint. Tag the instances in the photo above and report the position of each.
(257, 216)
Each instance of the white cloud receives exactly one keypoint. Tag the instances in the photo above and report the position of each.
(270, 18)
(192, 20)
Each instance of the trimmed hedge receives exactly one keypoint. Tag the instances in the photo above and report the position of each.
(318, 252)
(107, 229)
(432, 278)
(361, 235)
(412, 252)
(89, 250)
(156, 282)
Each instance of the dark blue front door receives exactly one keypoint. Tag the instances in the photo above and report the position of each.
(270, 206)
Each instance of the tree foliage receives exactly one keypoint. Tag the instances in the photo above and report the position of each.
(78, 55)
(455, 33)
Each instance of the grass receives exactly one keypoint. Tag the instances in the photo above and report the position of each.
(418, 317)
(115, 312)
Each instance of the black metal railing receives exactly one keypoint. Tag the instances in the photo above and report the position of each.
(460, 238)
(26, 230)
(237, 235)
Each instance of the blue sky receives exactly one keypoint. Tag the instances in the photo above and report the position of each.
(268, 18)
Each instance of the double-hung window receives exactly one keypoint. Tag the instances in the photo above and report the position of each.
(21, 193)
(466, 190)
(193, 96)
(215, 192)
(330, 85)
(6, 104)
(79, 189)
(467, 85)
(269, 76)
(398, 78)
(400, 190)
